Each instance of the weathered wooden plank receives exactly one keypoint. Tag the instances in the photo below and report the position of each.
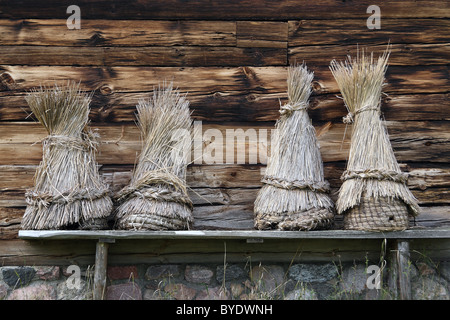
(142, 56)
(401, 54)
(235, 217)
(239, 106)
(15, 179)
(262, 34)
(135, 33)
(355, 31)
(232, 9)
(210, 81)
(440, 233)
(64, 252)
(234, 142)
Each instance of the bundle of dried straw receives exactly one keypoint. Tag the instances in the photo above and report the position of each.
(157, 198)
(374, 195)
(68, 191)
(294, 195)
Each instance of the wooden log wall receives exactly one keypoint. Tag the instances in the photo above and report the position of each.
(231, 58)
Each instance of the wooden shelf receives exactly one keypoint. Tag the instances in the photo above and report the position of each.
(435, 233)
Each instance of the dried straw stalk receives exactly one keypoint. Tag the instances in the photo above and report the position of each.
(294, 195)
(374, 195)
(157, 198)
(68, 191)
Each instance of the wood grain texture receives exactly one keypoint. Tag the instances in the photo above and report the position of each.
(224, 10)
(157, 251)
(238, 142)
(242, 106)
(106, 33)
(355, 31)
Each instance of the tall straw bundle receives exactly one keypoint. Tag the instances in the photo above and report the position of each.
(68, 191)
(156, 198)
(374, 195)
(294, 195)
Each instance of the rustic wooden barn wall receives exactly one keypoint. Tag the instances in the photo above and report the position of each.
(231, 58)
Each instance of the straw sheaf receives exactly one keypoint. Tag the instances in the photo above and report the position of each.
(68, 191)
(372, 169)
(294, 190)
(157, 198)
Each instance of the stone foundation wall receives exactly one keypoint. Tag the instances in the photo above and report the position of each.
(303, 281)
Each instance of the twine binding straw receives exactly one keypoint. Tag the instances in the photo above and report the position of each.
(68, 192)
(157, 197)
(374, 195)
(294, 195)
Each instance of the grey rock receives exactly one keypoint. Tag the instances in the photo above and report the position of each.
(354, 279)
(302, 293)
(124, 291)
(162, 271)
(427, 288)
(268, 279)
(17, 277)
(444, 269)
(232, 272)
(34, 292)
(198, 274)
(307, 272)
(66, 292)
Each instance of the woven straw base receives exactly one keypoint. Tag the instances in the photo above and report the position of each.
(151, 222)
(313, 219)
(381, 214)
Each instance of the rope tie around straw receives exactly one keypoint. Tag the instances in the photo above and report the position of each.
(289, 108)
(350, 117)
(43, 199)
(316, 186)
(394, 176)
(149, 186)
(86, 143)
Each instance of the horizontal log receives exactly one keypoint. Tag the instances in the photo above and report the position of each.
(239, 106)
(245, 54)
(238, 142)
(157, 251)
(134, 33)
(223, 10)
(435, 233)
(142, 56)
(401, 54)
(259, 34)
(231, 217)
(212, 81)
(355, 31)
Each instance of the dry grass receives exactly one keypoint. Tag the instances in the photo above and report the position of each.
(68, 191)
(294, 195)
(372, 169)
(156, 198)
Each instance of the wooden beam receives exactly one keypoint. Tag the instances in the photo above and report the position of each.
(241, 106)
(121, 144)
(101, 266)
(134, 33)
(355, 31)
(224, 10)
(435, 233)
(404, 269)
(401, 54)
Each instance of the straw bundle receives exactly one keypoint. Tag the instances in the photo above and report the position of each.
(68, 191)
(294, 193)
(157, 198)
(374, 195)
